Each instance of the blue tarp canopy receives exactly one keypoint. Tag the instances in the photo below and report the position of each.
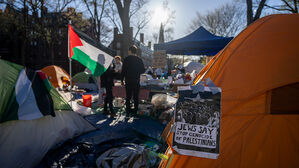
(199, 42)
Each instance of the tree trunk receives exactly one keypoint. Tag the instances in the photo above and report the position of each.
(249, 12)
(126, 37)
(259, 10)
(295, 6)
(250, 17)
(123, 12)
(96, 21)
(100, 21)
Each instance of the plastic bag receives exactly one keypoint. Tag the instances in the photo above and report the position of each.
(163, 101)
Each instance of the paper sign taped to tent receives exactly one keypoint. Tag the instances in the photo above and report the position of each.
(197, 122)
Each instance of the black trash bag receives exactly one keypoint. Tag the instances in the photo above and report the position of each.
(70, 154)
(83, 150)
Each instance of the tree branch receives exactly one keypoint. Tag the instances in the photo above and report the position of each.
(287, 4)
(278, 9)
(88, 8)
(295, 4)
(259, 10)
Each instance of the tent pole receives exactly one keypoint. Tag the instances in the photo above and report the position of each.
(70, 62)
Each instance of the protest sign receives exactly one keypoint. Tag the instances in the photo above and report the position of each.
(197, 122)
(159, 59)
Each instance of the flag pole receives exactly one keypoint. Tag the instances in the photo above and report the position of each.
(70, 61)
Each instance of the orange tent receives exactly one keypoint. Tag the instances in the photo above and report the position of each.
(56, 75)
(258, 73)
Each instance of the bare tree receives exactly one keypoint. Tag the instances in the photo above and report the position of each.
(136, 6)
(138, 17)
(226, 20)
(287, 5)
(45, 22)
(112, 14)
(168, 32)
(141, 22)
(251, 17)
(168, 23)
(96, 9)
(59, 5)
(23, 24)
(123, 8)
(123, 13)
(155, 37)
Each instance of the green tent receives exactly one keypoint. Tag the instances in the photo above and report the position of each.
(14, 98)
(83, 77)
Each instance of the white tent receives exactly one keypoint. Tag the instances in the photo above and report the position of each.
(191, 65)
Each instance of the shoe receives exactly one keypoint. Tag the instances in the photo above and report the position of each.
(112, 115)
(105, 112)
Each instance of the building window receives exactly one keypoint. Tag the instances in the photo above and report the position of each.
(59, 42)
(59, 53)
(117, 52)
(59, 31)
(35, 43)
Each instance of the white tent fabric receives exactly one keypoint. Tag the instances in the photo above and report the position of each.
(28, 108)
(25, 143)
(190, 66)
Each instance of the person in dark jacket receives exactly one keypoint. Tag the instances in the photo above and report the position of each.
(132, 68)
(107, 81)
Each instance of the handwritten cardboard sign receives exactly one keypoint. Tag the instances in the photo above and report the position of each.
(159, 59)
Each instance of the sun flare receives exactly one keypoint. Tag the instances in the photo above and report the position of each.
(160, 15)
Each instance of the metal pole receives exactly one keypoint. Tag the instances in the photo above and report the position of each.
(70, 61)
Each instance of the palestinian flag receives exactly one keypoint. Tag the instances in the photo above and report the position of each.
(29, 99)
(85, 50)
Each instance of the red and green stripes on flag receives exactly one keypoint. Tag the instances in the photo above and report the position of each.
(86, 51)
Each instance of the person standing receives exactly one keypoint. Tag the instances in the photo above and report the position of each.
(107, 80)
(133, 67)
(159, 73)
(149, 71)
(117, 67)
